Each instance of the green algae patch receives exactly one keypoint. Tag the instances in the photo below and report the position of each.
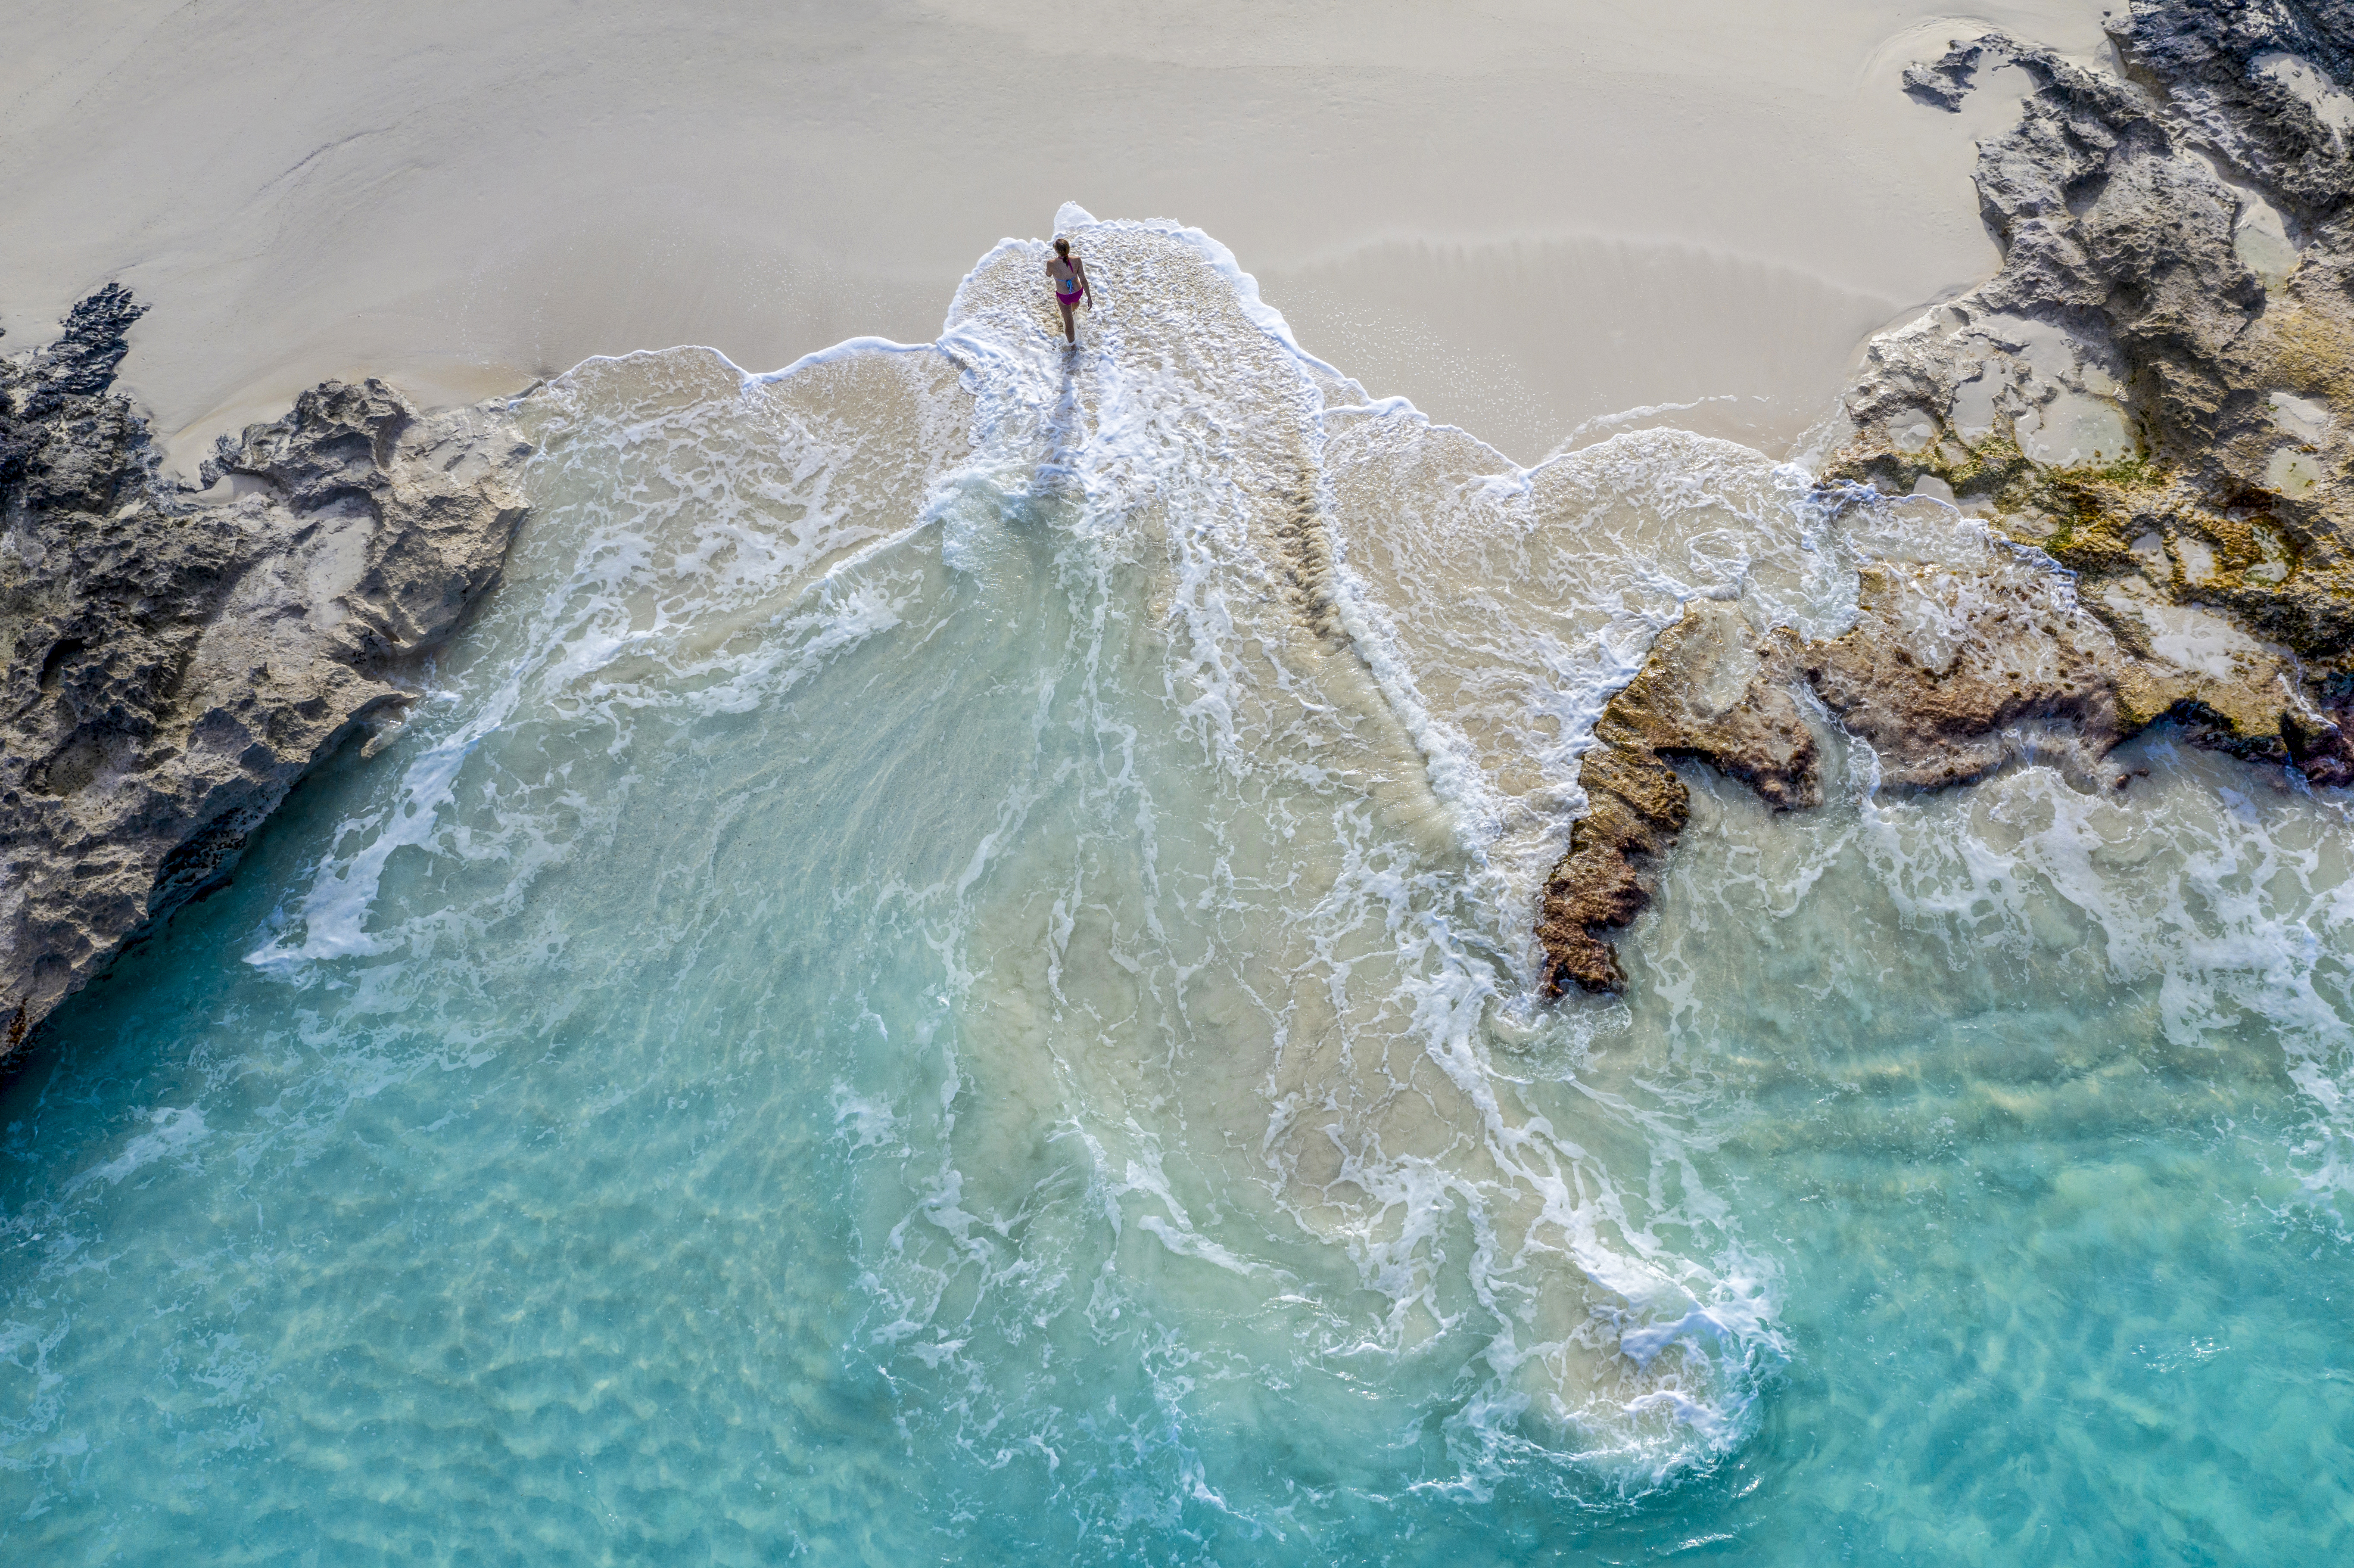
(2100, 511)
(2246, 551)
(2086, 516)
(2308, 351)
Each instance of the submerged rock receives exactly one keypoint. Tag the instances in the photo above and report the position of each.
(2154, 393)
(173, 661)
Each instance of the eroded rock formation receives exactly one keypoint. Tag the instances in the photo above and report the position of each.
(1705, 692)
(2155, 393)
(172, 661)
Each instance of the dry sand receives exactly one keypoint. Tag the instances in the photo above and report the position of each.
(1523, 216)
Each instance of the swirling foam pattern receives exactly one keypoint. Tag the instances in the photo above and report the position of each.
(943, 976)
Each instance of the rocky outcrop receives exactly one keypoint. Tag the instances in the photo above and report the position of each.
(2155, 394)
(172, 661)
(1707, 693)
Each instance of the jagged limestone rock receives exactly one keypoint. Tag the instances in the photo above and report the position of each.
(172, 661)
(2154, 393)
(2159, 385)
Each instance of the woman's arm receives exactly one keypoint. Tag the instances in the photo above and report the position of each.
(1079, 271)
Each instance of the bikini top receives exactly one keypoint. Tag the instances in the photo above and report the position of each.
(1069, 287)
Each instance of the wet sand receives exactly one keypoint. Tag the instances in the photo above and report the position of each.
(1525, 219)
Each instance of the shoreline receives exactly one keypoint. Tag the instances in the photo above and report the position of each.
(463, 203)
(2111, 686)
(980, 948)
(2147, 410)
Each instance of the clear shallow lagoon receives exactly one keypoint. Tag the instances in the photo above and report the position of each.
(943, 977)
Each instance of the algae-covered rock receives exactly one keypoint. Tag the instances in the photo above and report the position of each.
(2159, 383)
(2153, 395)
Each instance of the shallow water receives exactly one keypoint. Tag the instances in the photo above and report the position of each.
(944, 976)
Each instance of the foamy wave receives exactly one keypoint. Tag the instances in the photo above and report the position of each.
(1284, 690)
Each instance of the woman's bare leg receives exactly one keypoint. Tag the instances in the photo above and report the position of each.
(1070, 331)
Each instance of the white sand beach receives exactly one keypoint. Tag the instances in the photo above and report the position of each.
(1523, 216)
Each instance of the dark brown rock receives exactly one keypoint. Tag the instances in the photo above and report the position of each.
(1704, 694)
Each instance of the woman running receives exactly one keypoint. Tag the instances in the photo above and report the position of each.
(1070, 276)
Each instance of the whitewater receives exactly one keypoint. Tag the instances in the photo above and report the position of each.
(945, 974)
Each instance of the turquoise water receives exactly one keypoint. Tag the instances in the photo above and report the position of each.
(943, 977)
